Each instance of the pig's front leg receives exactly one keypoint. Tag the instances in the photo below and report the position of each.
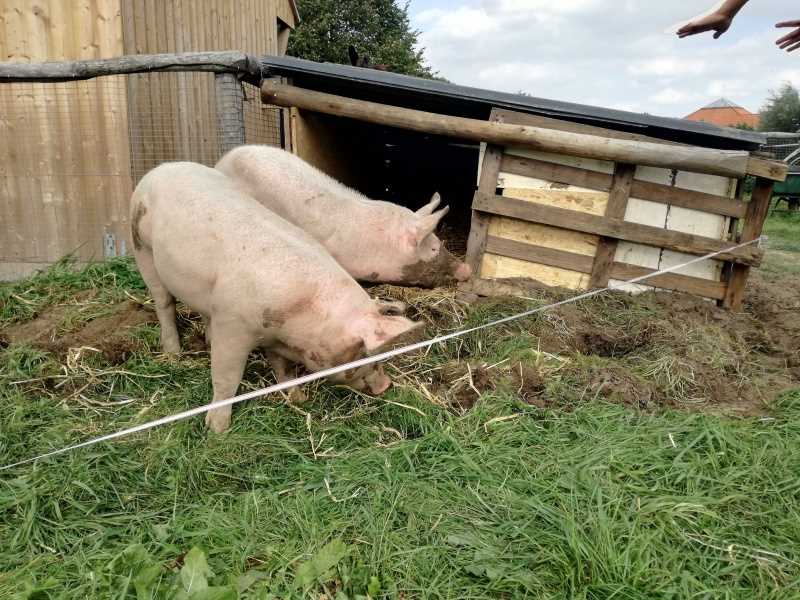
(230, 348)
(282, 370)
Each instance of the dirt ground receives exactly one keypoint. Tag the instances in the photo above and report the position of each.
(726, 356)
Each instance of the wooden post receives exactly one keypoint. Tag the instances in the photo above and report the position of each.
(727, 163)
(230, 111)
(757, 210)
(617, 205)
(479, 226)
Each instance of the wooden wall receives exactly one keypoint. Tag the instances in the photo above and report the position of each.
(173, 115)
(64, 157)
(71, 153)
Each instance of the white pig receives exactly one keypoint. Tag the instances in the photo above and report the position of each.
(374, 241)
(258, 280)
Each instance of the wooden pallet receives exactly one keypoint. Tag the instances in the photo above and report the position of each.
(584, 223)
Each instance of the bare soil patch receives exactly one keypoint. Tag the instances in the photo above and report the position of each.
(53, 330)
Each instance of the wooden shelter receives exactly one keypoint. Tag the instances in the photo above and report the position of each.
(72, 150)
(568, 195)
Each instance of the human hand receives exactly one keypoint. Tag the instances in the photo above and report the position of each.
(791, 41)
(717, 22)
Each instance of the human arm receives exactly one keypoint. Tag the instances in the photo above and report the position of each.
(719, 21)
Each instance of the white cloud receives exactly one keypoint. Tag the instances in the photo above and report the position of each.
(610, 51)
(667, 66)
(523, 73)
(671, 96)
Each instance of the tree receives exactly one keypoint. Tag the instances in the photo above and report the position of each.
(379, 29)
(782, 111)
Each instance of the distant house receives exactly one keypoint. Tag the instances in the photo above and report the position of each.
(725, 113)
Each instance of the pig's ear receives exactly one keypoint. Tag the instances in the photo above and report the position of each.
(427, 225)
(430, 206)
(390, 332)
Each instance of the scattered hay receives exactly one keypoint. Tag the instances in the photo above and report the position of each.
(648, 352)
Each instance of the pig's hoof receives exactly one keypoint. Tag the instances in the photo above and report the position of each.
(171, 346)
(296, 396)
(218, 423)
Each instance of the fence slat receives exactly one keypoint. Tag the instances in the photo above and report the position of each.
(613, 228)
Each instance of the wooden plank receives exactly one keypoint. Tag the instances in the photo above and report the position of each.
(590, 202)
(479, 225)
(645, 190)
(688, 158)
(619, 271)
(539, 254)
(616, 228)
(670, 281)
(757, 210)
(615, 209)
(767, 169)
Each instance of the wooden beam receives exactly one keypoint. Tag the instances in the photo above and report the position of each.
(685, 158)
(621, 271)
(216, 62)
(757, 210)
(645, 190)
(615, 209)
(614, 228)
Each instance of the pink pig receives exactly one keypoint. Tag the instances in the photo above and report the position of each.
(374, 241)
(256, 279)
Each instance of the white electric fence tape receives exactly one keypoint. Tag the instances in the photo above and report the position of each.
(364, 361)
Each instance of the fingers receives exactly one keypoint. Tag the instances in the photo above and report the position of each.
(793, 48)
(693, 29)
(788, 24)
(788, 38)
(790, 41)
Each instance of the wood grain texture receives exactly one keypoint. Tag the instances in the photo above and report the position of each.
(64, 167)
(614, 228)
(619, 271)
(689, 158)
(757, 211)
(644, 190)
(479, 224)
(615, 209)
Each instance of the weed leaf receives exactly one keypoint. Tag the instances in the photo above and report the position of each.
(195, 572)
(317, 569)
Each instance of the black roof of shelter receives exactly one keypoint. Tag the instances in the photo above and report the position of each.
(458, 100)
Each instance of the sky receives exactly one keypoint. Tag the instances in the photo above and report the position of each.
(611, 53)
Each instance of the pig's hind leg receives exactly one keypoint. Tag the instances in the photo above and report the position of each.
(282, 370)
(229, 351)
(164, 301)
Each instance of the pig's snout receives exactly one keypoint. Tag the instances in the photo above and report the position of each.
(378, 383)
(463, 272)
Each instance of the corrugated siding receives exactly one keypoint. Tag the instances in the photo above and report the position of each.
(64, 157)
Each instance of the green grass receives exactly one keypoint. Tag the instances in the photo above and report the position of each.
(783, 247)
(783, 229)
(398, 497)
